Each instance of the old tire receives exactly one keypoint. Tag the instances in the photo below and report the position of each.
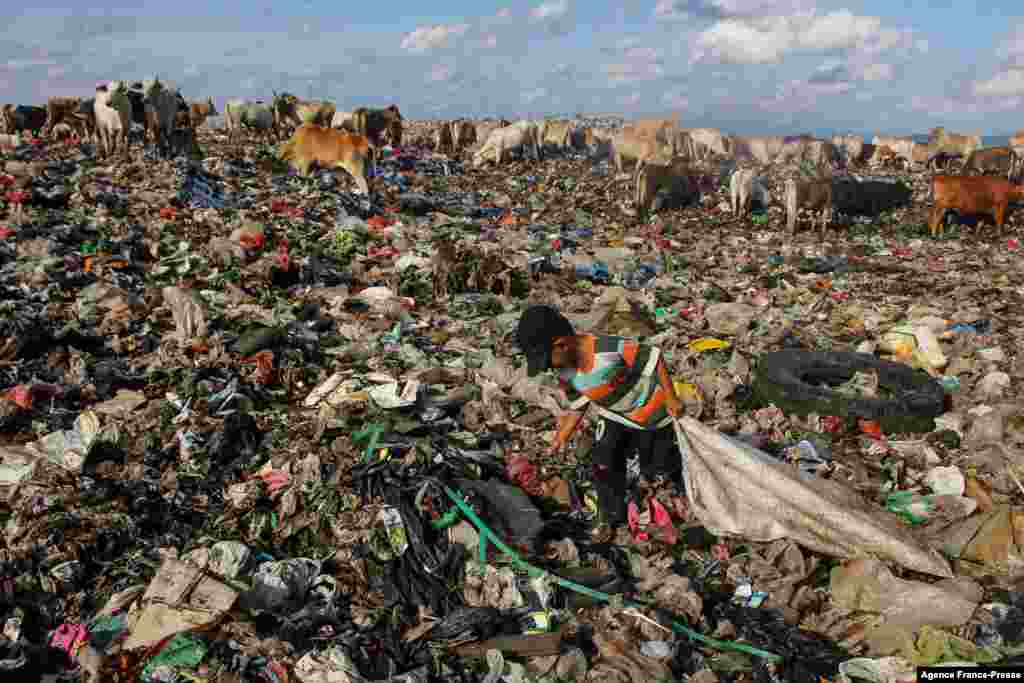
(793, 380)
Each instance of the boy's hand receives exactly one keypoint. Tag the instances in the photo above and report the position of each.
(554, 448)
(674, 406)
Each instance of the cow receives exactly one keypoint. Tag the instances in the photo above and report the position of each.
(939, 140)
(884, 156)
(673, 175)
(62, 131)
(331, 150)
(18, 118)
(972, 195)
(940, 160)
(850, 148)
(113, 111)
(811, 194)
(708, 142)
(1001, 160)
(282, 106)
(744, 187)
(485, 128)
(371, 123)
(60, 110)
(161, 109)
(920, 153)
(319, 112)
(444, 142)
(521, 135)
(581, 138)
(556, 134)
(901, 146)
(628, 143)
(762, 149)
(257, 116)
(868, 197)
(805, 149)
(198, 112)
(463, 135)
(85, 119)
(342, 120)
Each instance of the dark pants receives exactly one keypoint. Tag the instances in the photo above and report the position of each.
(658, 455)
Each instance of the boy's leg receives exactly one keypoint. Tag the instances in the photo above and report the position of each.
(663, 456)
(609, 470)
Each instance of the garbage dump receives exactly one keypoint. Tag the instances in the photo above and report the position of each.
(256, 426)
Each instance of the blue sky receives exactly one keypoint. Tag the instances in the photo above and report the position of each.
(746, 66)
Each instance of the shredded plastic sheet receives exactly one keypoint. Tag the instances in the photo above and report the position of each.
(737, 490)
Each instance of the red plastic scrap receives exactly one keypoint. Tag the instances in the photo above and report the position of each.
(6, 232)
(1012, 243)
(168, 213)
(283, 259)
(17, 196)
(378, 222)
(720, 552)
(264, 361)
(832, 424)
(252, 240)
(522, 472)
(6, 179)
(871, 428)
(21, 396)
(279, 206)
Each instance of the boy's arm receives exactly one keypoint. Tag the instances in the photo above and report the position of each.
(568, 424)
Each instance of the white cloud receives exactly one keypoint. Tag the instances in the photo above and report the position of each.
(432, 37)
(1007, 83)
(768, 39)
(550, 11)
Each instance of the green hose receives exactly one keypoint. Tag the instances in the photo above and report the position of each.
(487, 535)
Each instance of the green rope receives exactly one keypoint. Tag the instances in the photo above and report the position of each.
(373, 433)
(487, 535)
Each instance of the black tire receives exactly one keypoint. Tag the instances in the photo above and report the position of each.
(792, 380)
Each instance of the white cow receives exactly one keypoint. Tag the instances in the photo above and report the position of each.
(521, 135)
(113, 111)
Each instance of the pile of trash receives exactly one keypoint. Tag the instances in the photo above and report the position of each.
(259, 427)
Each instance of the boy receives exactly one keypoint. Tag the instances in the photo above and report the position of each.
(630, 388)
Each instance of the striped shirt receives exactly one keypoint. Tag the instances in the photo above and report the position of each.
(620, 376)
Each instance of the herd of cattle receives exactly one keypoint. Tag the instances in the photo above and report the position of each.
(666, 156)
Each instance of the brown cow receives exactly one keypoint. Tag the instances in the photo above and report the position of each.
(60, 110)
(808, 194)
(940, 140)
(330, 149)
(444, 142)
(973, 196)
(463, 134)
(1001, 160)
(673, 175)
(199, 111)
